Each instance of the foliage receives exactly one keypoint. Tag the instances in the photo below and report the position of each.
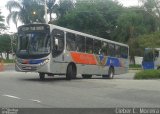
(132, 23)
(150, 40)
(148, 74)
(5, 43)
(152, 7)
(95, 18)
(8, 60)
(138, 45)
(137, 66)
(64, 6)
(23, 10)
(2, 26)
(29, 11)
(51, 7)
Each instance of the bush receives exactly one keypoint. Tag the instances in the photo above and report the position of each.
(134, 66)
(8, 61)
(148, 74)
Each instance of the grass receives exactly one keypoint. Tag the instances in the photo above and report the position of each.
(148, 74)
(137, 66)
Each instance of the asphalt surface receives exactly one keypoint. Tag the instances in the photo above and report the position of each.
(25, 90)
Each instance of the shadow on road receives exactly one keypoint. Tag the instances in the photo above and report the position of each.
(59, 79)
(48, 79)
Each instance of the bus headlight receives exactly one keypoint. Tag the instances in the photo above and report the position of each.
(44, 62)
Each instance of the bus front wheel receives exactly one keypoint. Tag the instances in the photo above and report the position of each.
(41, 76)
(71, 72)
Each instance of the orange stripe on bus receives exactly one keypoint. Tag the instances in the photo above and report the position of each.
(82, 58)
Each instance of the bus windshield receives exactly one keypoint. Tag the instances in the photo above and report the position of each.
(34, 43)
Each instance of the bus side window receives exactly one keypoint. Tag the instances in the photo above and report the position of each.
(80, 43)
(97, 47)
(124, 52)
(58, 42)
(117, 50)
(89, 45)
(70, 42)
(104, 50)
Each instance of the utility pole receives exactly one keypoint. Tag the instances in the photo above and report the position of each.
(45, 9)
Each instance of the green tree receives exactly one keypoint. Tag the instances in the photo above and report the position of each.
(51, 8)
(138, 45)
(5, 44)
(2, 25)
(133, 22)
(64, 6)
(152, 7)
(59, 8)
(149, 40)
(22, 10)
(97, 18)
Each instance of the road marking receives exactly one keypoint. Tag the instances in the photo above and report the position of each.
(38, 101)
(11, 96)
(14, 97)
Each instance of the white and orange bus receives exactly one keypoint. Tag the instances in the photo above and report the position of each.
(53, 50)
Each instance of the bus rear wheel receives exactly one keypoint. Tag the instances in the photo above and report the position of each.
(71, 72)
(42, 76)
(87, 76)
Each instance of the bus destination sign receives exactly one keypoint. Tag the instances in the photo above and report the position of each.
(32, 28)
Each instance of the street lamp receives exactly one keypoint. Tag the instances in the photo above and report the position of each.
(45, 9)
(34, 13)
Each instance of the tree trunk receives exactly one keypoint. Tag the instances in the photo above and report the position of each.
(132, 59)
(50, 15)
(7, 56)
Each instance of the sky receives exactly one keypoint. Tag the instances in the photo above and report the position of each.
(12, 29)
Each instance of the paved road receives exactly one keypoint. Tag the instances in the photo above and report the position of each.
(26, 90)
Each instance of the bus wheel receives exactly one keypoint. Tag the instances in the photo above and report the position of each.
(71, 72)
(87, 76)
(42, 76)
(111, 73)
